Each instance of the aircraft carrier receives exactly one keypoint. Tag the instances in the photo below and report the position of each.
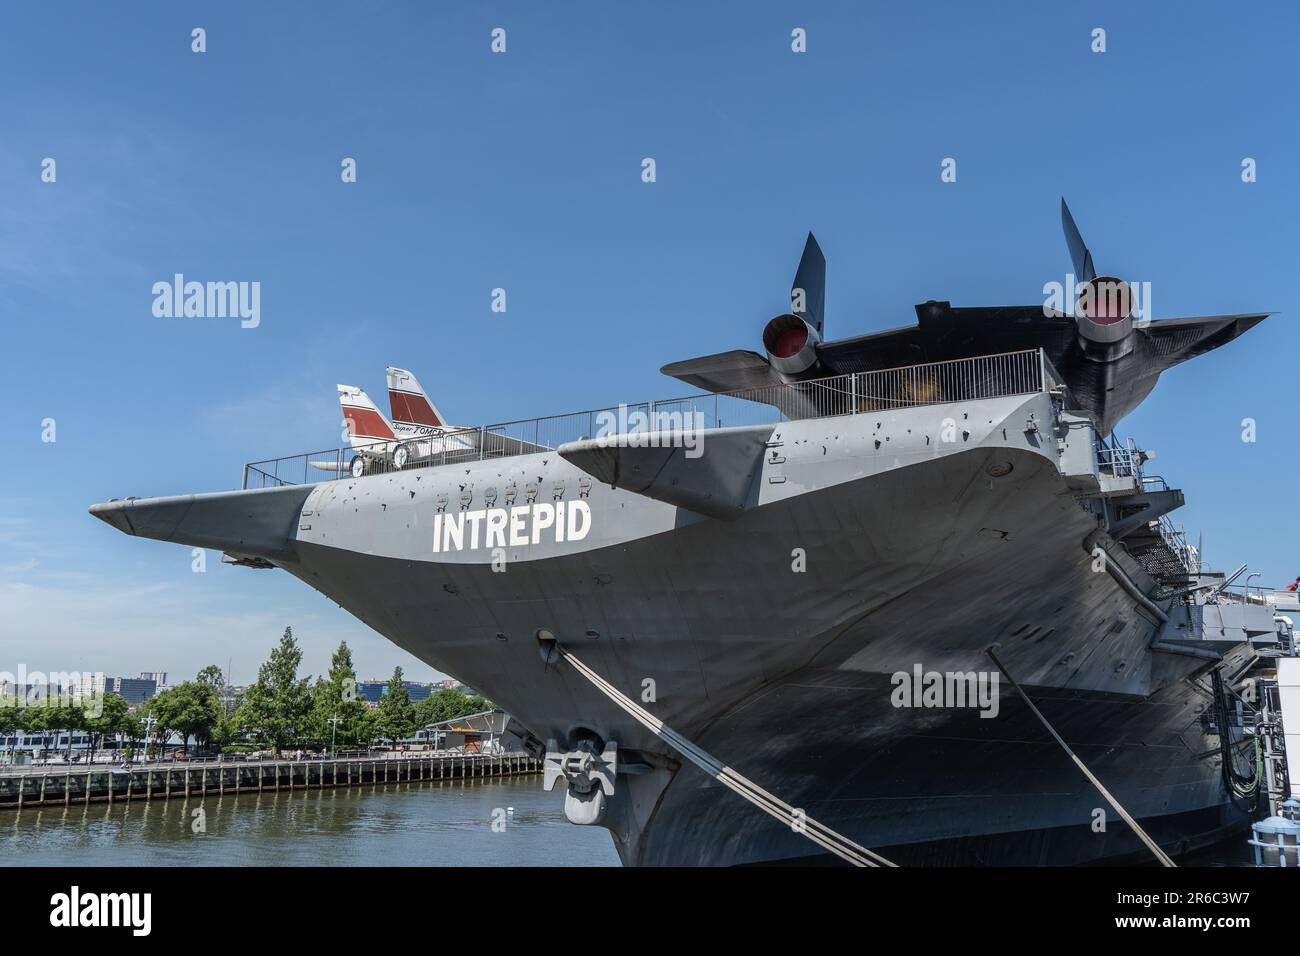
(758, 566)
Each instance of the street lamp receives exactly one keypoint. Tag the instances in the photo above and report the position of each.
(148, 729)
(334, 728)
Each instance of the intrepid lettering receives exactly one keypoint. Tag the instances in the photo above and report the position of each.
(512, 527)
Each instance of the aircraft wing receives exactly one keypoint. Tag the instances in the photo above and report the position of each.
(725, 372)
(943, 332)
(1177, 340)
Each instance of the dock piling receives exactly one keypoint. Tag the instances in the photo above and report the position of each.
(197, 781)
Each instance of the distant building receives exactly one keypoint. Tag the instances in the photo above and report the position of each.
(51, 688)
(158, 677)
(134, 690)
(372, 691)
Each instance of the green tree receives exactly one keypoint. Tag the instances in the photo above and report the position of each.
(447, 704)
(71, 718)
(213, 676)
(276, 708)
(156, 716)
(133, 727)
(111, 719)
(337, 696)
(395, 718)
(191, 709)
(32, 722)
(11, 718)
(55, 717)
(227, 728)
(228, 725)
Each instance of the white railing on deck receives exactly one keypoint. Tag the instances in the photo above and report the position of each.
(1176, 541)
(932, 383)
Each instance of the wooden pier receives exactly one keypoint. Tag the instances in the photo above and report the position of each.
(50, 786)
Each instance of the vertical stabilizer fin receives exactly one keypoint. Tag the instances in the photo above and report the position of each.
(409, 403)
(1084, 270)
(811, 278)
(365, 423)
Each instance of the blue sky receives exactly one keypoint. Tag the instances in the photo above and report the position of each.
(522, 171)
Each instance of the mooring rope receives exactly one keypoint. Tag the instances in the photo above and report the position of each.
(818, 833)
(1115, 804)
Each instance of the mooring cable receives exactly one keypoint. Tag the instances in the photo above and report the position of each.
(800, 822)
(1115, 804)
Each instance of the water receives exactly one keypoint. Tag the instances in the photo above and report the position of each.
(1233, 851)
(439, 823)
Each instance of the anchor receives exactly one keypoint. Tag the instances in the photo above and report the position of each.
(590, 775)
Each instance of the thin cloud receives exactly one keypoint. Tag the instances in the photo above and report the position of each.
(126, 630)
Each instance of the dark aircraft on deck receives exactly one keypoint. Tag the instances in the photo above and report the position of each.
(1109, 358)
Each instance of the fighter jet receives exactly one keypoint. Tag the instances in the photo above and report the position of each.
(417, 434)
(1110, 358)
(381, 444)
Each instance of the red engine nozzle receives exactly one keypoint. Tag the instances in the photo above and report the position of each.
(1104, 312)
(791, 344)
(1105, 300)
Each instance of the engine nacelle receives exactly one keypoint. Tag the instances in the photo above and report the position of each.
(1104, 316)
(791, 344)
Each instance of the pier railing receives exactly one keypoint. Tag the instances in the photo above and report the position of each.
(932, 383)
(71, 785)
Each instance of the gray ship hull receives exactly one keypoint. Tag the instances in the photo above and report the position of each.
(785, 675)
(952, 789)
(868, 545)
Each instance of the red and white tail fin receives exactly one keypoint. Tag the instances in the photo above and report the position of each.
(365, 423)
(409, 404)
